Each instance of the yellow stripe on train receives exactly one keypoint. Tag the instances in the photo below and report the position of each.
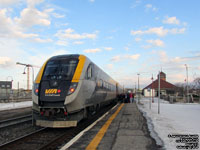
(79, 69)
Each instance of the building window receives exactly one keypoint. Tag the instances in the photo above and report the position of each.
(3, 86)
(8, 86)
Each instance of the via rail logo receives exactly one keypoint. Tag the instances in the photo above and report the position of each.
(52, 92)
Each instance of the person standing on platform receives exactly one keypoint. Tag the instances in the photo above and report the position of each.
(131, 97)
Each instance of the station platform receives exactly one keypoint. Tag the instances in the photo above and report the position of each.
(123, 128)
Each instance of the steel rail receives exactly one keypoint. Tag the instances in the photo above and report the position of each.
(14, 121)
(20, 138)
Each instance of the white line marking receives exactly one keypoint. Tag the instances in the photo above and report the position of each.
(72, 141)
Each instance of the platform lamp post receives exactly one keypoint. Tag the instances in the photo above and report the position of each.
(32, 86)
(152, 88)
(187, 83)
(135, 88)
(159, 93)
(32, 74)
(138, 88)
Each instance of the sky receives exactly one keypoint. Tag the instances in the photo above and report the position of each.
(123, 37)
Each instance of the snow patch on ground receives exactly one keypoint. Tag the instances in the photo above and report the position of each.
(173, 119)
(15, 105)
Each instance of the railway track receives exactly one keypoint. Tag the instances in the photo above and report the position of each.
(51, 138)
(15, 121)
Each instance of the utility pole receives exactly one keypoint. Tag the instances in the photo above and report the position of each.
(135, 88)
(152, 88)
(138, 88)
(159, 93)
(28, 72)
(187, 82)
(17, 90)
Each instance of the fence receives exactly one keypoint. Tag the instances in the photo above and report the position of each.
(183, 99)
(17, 96)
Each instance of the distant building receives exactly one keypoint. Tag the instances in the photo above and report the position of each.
(166, 88)
(5, 89)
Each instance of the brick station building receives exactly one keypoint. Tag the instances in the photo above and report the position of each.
(166, 88)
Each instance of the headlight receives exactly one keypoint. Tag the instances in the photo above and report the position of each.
(36, 88)
(72, 88)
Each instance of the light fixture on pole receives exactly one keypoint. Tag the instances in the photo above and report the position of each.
(28, 67)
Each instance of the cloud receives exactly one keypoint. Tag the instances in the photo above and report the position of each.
(156, 42)
(5, 3)
(39, 40)
(56, 15)
(19, 27)
(78, 42)
(31, 16)
(70, 34)
(163, 56)
(136, 3)
(91, 1)
(159, 31)
(171, 20)
(62, 43)
(8, 28)
(32, 3)
(146, 46)
(92, 50)
(138, 39)
(174, 64)
(6, 62)
(109, 66)
(108, 48)
(150, 7)
(133, 57)
(124, 57)
(116, 58)
(126, 48)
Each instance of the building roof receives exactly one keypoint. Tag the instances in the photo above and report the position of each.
(163, 85)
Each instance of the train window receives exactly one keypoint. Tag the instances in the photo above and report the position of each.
(60, 69)
(100, 83)
(109, 88)
(89, 72)
(104, 84)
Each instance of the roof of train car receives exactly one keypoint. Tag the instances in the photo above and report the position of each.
(65, 56)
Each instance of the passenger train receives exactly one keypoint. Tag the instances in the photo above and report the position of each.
(69, 88)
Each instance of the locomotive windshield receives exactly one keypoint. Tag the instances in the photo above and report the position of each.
(60, 69)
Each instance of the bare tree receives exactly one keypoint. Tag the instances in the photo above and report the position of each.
(180, 88)
(196, 85)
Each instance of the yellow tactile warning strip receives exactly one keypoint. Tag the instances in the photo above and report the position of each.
(39, 76)
(97, 139)
(79, 69)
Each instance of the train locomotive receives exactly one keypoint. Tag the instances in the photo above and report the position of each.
(69, 88)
